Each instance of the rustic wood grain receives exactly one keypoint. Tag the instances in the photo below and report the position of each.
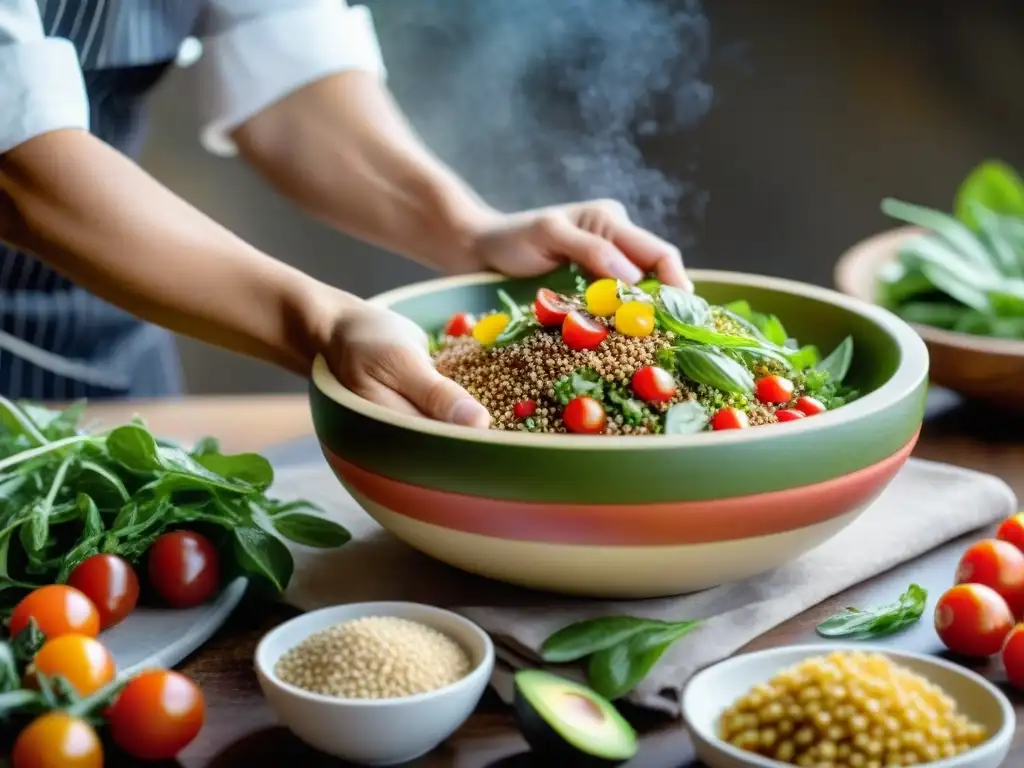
(241, 731)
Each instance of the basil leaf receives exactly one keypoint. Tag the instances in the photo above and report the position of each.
(205, 446)
(805, 357)
(992, 185)
(614, 672)
(686, 418)
(683, 307)
(262, 554)
(583, 638)
(708, 366)
(837, 364)
(311, 531)
(650, 286)
(880, 621)
(774, 331)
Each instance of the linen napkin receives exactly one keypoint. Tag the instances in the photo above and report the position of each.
(926, 505)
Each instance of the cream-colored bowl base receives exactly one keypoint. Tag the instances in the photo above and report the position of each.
(606, 571)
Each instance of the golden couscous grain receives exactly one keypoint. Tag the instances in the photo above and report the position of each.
(375, 657)
(849, 709)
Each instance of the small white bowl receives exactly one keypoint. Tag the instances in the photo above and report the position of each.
(710, 692)
(375, 731)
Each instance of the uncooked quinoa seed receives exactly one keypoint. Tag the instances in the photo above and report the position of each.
(375, 657)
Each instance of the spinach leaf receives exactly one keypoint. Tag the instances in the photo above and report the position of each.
(837, 364)
(708, 366)
(583, 638)
(311, 531)
(774, 331)
(805, 357)
(686, 418)
(250, 468)
(262, 554)
(683, 307)
(614, 672)
(880, 621)
(992, 185)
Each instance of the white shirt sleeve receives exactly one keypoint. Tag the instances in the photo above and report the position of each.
(41, 83)
(256, 52)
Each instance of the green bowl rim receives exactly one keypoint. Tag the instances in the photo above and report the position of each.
(905, 382)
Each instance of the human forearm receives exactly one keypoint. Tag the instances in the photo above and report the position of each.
(342, 149)
(98, 218)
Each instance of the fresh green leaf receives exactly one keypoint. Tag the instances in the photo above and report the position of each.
(632, 410)
(708, 366)
(650, 286)
(583, 381)
(805, 357)
(937, 314)
(311, 531)
(774, 331)
(205, 446)
(262, 554)
(962, 240)
(584, 638)
(995, 236)
(897, 282)
(250, 468)
(686, 418)
(134, 447)
(992, 185)
(880, 621)
(614, 672)
(837, 364)
(683, 307)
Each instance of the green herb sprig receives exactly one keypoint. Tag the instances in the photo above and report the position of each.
(880, 621)
(620, 650)
(67, 494)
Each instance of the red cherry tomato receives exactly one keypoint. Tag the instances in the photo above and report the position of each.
(58, 610)
(550, 308)
(1012, 531)
(1013, 656)
(996, 564)
(809, 406)
(157, 715)
(730, 418)
(580, 331)
(79, 659)
(111, 584)
(57, 740)
(972, 620)
(654, 384)
(461, 324)
(789, 414)
(184, 568)
(585, 416)
(524, 409)
(774, 389)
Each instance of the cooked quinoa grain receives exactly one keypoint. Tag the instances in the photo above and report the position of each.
(849, 709)
(375, 657)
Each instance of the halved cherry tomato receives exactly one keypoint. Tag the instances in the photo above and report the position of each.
(972, 620)
(789, 414)
(79, 659)
(461, 324)
(158, 714)
(184, 568)
(585, 416)
(550, 308)
(730, 418)
(1013, 656)
(58, 610)
(809, 406)
(57, 740)
(582, 332)
(996, 564)
(524, 409)
(1012, 530)
(654, 384)
(774, 389)
(110, 582)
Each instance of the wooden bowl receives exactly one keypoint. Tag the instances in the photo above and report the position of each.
(977, 367)
(622, 516)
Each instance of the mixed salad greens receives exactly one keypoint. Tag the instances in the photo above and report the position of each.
(966, 272)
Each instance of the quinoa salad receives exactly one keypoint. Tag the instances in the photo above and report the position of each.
(616, 359)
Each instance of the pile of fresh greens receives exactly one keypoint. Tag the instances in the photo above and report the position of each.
(67, 494)
(966, 273)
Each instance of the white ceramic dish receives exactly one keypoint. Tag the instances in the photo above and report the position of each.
(711, 691)
(381, 731)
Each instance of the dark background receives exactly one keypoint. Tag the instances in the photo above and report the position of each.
(759, 134)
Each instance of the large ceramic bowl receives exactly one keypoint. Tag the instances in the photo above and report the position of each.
(977, 367)
(633, 516)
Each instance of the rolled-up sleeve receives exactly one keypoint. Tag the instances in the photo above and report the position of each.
(41, 83)
(256, 52)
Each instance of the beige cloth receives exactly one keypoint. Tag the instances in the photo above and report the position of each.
(926, 505)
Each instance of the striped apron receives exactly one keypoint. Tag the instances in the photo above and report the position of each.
(57, 341)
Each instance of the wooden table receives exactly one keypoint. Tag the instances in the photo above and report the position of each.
(242, 732)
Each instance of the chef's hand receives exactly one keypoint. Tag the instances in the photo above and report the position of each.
(596, 235)
(382, 356)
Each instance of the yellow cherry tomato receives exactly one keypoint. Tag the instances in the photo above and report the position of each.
(635, 318)
(603, 297)
(489, 328)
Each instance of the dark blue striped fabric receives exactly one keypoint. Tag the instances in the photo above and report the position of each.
(56, 340)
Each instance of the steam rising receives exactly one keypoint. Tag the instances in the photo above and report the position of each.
(543, 101)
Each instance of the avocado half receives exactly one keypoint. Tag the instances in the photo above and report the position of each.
(561, 718)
